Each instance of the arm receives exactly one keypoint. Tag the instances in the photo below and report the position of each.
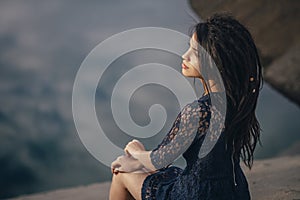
(126, 163)
(189, 122)
(145, 159)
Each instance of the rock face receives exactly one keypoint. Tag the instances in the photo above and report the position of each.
(275, 26)
(270, 179)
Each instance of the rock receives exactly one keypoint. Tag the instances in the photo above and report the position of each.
(283, 74)
(275, 27)
(269, 179)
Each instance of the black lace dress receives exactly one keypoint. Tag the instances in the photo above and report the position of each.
(211, 177)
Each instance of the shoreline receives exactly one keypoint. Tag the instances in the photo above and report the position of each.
(269, 179)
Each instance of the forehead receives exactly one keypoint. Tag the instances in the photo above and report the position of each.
(193, 38)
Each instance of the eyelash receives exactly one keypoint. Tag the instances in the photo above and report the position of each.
(192, 47)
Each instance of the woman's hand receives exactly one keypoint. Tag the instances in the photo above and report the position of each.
(134, 147)
(125, 164)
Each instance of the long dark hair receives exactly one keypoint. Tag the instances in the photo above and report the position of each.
(232, 48)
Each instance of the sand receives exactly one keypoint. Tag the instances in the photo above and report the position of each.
(269, 179)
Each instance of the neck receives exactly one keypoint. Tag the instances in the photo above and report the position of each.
(210, 87)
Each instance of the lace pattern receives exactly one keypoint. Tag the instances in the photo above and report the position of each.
(190, 122)
(196, 128)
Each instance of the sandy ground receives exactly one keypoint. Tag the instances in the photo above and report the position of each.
(270, 179)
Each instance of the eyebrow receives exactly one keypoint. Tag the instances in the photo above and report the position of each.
(191, 45)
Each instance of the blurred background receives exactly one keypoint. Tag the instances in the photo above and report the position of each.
(42, 44)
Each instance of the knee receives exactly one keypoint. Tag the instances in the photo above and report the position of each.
(117, 178)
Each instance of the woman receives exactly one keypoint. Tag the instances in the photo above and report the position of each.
(218, 174)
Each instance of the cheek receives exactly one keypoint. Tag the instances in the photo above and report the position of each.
(195, 61)
(196, 68)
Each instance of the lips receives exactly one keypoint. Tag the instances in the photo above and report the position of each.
(184, 66)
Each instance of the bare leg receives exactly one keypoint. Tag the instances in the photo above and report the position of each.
(127, 186)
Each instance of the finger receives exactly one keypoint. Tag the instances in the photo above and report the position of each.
(126, 149)
(116, 172)
(120, 158)
(112, 170)
(120, 170)
(140, 145)
(127, 153)
(115, 164)
(137, 142)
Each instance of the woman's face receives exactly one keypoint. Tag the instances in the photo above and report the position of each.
(190, 64)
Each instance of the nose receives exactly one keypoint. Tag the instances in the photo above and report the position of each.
(185, 57)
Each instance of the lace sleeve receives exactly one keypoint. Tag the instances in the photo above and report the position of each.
(190, 122)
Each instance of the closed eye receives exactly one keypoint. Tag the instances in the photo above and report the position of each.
(189, 44)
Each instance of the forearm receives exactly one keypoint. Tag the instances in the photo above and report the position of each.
(144, 158)
(127, 164)
(136, 165)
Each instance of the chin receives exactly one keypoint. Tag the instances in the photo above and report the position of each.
(184, 73)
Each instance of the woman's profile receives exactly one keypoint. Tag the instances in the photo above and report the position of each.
(218, 175)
